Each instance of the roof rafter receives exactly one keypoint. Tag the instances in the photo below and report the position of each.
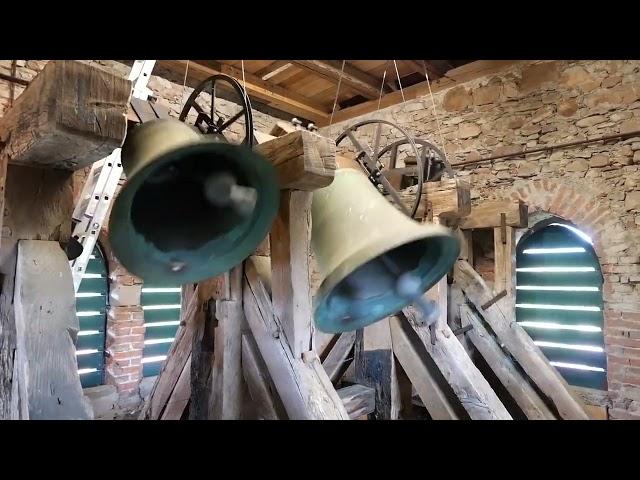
(267, 92)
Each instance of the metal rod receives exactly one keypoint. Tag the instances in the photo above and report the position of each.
(12, 79)
(547, 148)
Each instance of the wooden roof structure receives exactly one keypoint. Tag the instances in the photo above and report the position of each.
(307, 89)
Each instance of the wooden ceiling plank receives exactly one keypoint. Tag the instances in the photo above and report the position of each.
(267, 92)
(458, 75)
(275, 66)
(365, 84)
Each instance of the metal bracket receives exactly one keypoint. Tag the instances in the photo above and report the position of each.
(502, 294)
(461, 330)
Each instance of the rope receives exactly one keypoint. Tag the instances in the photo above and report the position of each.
(384, 75)
(335, 100)
(184, 85)
(399, 82)
(435, 112)
(244, 82)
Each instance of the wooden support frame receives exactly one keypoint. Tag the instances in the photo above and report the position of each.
(519, 344)
(409, 355)
(303, 160)
(259, 382)
(336, 362)
(471, 388)
(226, 386)
(507, 372)
(375, 367)
(489, 215)
(303, 385)
(358, 400)
(448, 198)
(70, 116)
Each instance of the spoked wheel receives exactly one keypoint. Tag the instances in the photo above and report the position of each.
(209, 120)
(431, 160)
(371, 159)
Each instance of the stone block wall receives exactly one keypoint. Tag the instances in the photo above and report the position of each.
(596, 186)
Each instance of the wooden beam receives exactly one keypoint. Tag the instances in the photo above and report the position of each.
(261, 388)
(336, 362)
(267, 92)
(454, 77)
(519, 344)
(448, 198)
(226, 390)
(507, 372)
(70, 116)
(407, 351)
(489, 215)
(471, 388)
(38, 206)
(282, 128)
(290, 275)
(202, 353)
(358, 400)
(504, 241)
(303, 160)
(273, 68)
(365, 84)
(180, 395)
(466, 245)
(173, 367)
(302, 384)
(375, 367)
(46, 333)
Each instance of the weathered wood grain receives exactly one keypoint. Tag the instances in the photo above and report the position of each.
(71, 115)
(303, 160)
(519, 344)
(47, 329)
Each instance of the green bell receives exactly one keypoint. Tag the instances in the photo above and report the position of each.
(374, 259)
(192, 207)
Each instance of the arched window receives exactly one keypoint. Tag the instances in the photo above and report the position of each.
(91, 308)
(161, 306)
(559, 301)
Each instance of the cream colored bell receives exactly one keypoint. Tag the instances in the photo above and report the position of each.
(363, 246)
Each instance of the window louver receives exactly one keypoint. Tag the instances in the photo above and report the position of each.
(91, 309)
(161, 306)
(559, 302)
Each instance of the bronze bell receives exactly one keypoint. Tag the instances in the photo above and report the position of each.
(192, 207)
(374, 259)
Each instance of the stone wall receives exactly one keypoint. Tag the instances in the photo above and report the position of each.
(125, 317)
(596, 186)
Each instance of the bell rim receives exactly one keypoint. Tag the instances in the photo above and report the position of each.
(259, 225)
(359, 258)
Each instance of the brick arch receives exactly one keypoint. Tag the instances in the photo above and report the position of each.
(579, 206)
(612, 244)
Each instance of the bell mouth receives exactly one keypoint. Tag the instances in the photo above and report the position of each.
(350, 300)
(170, 208)
(162, 231)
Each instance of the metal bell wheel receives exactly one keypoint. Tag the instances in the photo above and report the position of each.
(210, 121)
(371, 159)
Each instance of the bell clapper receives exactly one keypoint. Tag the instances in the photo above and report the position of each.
(408, 287)
(222, 189)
